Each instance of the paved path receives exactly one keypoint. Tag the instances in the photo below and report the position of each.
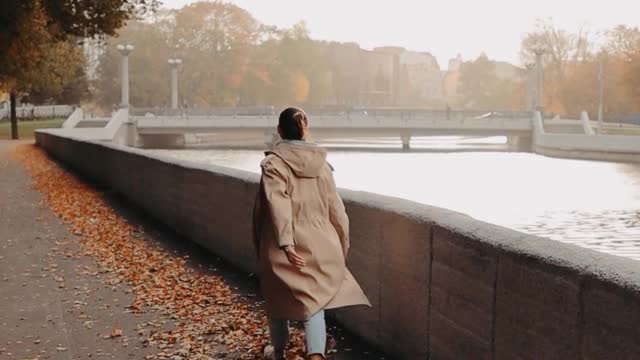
(54, 305)
(59, 305)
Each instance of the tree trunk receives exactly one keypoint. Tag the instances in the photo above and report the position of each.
(14, 118)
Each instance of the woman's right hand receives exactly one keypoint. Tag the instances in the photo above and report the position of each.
(293, 257)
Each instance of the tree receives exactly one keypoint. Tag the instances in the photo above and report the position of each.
(482, 88)
(572, 68)
(59, 77)
(213, 39)
(478, 82)
(632, 73)
(29, 27)
(229, 59)
(563, 51)
(622, 41)
(75, 90)
(582, 84)
(622, 70)
(580, 88)
(148, 68)
(299, 68)
(216, 40)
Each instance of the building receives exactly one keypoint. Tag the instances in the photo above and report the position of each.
(424, 75)
(346, 74)
(381, 76)
(451, 80)
(385, 76)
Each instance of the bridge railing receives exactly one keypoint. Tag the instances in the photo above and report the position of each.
(347, 112)
(220, 111)
(164, 124)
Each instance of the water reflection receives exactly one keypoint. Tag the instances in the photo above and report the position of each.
(591, 204)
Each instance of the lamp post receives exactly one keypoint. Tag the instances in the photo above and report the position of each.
(539, 78)
(530, 92)
(174, 63)
(125, 50)
(601, 90)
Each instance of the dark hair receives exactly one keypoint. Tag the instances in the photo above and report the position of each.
(292, 123)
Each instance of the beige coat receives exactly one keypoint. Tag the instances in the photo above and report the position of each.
(298, 205)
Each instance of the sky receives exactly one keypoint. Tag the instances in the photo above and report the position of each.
(444, 28)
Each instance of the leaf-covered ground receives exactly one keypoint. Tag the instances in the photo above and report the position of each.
(208, 318)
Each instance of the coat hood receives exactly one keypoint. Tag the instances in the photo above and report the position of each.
(305, 159)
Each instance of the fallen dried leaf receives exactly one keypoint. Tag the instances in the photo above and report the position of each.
(205, 308)
(116, 332)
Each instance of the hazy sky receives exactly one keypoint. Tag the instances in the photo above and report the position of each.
(444, 28)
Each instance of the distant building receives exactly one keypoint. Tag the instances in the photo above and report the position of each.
(424, 75)
(346, 74)
(384, 76)
(451, 80)
(381, 76)
(455, 64)
(394, 76)
(507, 71)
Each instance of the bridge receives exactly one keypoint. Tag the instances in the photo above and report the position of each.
(169, 130)
(525, 131)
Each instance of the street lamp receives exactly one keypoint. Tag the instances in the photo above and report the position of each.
(125, 50)
(539, 51)
(530, 91)
(601, 78)
(174, 63)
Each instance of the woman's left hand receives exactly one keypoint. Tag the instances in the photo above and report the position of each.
(293, 257)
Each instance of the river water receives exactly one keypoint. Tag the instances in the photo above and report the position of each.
(587, 203)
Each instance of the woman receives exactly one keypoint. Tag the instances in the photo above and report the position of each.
(301, 234)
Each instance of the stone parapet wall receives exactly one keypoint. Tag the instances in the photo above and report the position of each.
(442, 285)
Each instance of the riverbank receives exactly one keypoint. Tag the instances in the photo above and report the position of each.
(109, 281)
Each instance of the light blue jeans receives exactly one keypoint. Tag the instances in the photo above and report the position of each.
(315, 333)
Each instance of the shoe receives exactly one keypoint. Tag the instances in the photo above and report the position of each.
(270, 353)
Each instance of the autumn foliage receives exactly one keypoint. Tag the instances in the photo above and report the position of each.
(206, 311)
(229, 59)
(572, 63)
(31, 29)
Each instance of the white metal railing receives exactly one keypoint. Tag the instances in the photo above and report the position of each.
(33, 112)
(191, 123)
